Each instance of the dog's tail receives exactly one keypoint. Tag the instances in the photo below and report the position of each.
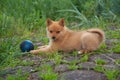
(99, 32)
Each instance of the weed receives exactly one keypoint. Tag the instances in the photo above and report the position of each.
(73, 67)
(10, 62)
(1, 78)
(117, 61)
(18, 76)
(84, 58)
(116, 48)
(103, 46)
(99, 68)
(47, 73)
(111, 74)
(26, 63)
(100, 61)
(113, 34)
(58, 59)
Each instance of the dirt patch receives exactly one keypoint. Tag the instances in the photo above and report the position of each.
(82, 75)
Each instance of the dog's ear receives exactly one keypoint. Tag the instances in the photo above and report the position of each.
(49, 22)
(61, 22)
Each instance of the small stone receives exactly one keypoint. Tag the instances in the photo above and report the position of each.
(71, 58)
(24, 69)
(34, 76)
(109, 44)
(50, 62)
(118, 78)
(111, 67)
(113, 55)
(87, 65)
(61, 68)
(99, 56)
(82, 75)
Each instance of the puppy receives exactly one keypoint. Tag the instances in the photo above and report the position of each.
(64, 39)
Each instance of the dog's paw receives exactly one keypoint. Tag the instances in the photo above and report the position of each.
(83, 51)
(34, 51)
(79, 52)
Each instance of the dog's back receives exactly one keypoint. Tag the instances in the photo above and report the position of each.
(91, 39)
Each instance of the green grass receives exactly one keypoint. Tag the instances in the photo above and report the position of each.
(73, 65)
(57, 58)
(84, 58)
(112, 74)
(117, 61)
(113, 34)
(116, 48)
(18, 76)
(26, 63)
(99, 68)
(100, 61)
(48, 73)
(26, 20)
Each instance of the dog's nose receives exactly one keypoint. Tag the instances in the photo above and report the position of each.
(53, 37)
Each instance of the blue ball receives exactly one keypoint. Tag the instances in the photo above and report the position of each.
(26, 46)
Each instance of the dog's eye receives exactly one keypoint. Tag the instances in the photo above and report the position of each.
(58, 32)
(51, 31)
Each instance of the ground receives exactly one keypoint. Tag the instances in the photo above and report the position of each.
(102, 64)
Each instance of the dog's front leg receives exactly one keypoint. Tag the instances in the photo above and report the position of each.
(83, 51)
(47, 49)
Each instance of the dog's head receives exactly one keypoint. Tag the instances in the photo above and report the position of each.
(55, 29)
